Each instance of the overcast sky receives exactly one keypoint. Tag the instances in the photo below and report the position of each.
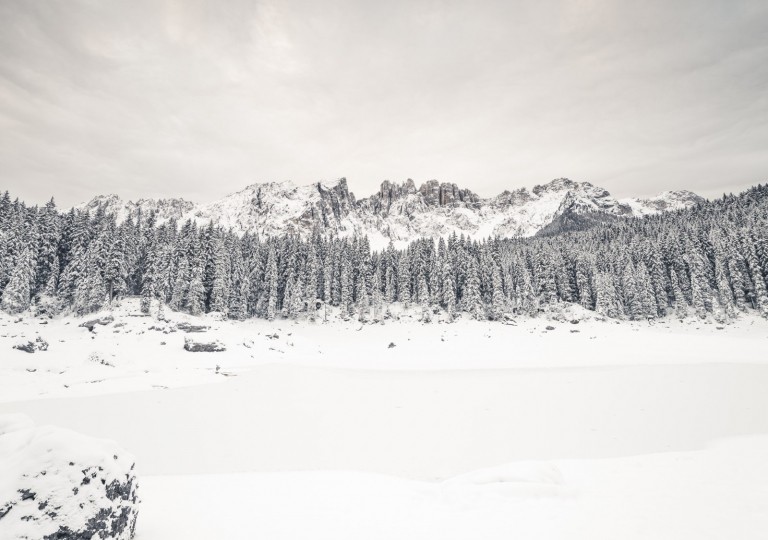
(199, 98)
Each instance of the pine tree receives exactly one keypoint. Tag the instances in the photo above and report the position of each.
(449, 295)
(423, 294)
(679, 302)
(472, 303)
(607, 302)
(376, 296)
(90, 293)
(345, 288)
(755, 271)
(271, 279)
(52, 285)
(195, 301)
(17, 293)
(180, 286)
(403, 281)
(498, 302)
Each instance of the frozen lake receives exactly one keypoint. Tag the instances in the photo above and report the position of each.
(418, 424)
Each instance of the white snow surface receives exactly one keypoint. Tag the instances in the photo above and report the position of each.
(592, 430)
(716, 493)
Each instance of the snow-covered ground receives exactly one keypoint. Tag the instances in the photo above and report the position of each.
(466, 430)
(142, 353)
(717, 493)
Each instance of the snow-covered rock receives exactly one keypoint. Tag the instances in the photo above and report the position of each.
(399, 212)
(200, 346)
(57, 484)
(91, 323)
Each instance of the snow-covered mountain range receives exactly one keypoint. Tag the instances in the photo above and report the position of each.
(400, 212)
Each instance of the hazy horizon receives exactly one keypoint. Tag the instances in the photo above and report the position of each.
(352, 188)
(198, 99)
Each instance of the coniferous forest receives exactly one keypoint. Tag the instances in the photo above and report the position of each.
(711, 260)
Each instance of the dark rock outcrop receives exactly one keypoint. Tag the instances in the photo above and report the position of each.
(443, 194)
(191, 328)
(198, 346)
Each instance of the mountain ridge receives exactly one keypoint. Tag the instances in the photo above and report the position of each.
(398, 212)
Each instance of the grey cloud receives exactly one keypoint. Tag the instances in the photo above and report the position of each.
(198, 98)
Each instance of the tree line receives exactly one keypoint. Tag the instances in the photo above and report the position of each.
(711, 260)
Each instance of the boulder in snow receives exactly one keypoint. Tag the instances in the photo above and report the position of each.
(58, 484)
(199, 346)
(191, 328)
(91, 324)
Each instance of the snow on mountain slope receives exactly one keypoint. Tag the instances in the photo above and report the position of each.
(165, 209)
(397, 212)
(666, 202)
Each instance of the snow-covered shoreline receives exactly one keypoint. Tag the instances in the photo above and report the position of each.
(132, 352)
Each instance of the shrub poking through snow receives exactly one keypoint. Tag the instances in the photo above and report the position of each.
(31, 346)
(57, 484)
(97, 358)
(198, 346)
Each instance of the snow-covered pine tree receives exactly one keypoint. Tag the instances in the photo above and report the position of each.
(376, 295)
(423, 298)
(607, 301)
(90, 292)
(448, 293)
(271, 280)
(403, 280)
(17, 294)
(498, 299)
(195, 298)
(471, 301)
(52, 285)
(181, 285)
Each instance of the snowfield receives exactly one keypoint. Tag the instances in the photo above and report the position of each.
(135, 352)
(543, 428)
(716, 493)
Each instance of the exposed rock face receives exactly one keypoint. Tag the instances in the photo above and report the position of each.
(56, 484)
(437, 194)
(389, 193)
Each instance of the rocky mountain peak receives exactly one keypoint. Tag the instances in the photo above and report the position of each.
(558, 184)
(441, 194)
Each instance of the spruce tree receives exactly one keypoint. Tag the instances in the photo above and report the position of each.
(17, 293)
